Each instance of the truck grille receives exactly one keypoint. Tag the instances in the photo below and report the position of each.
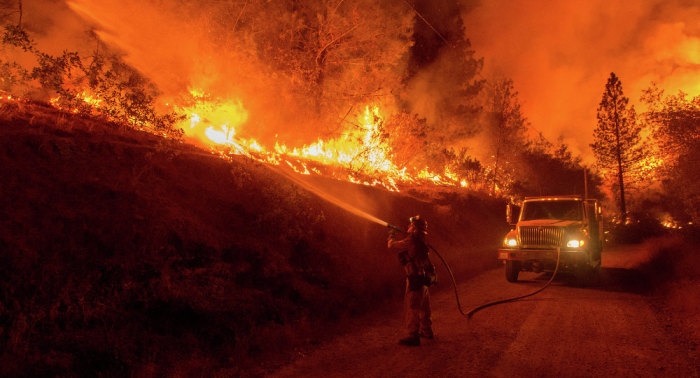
(541, 236)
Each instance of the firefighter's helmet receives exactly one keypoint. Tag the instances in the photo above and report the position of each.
(419, 224)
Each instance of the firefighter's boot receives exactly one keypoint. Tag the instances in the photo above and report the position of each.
(426, 333)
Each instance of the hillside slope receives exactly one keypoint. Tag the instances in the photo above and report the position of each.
(125, 253)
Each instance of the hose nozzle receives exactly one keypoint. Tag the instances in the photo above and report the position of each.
(389, 225)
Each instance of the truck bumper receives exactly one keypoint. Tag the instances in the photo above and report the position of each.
(545, 258)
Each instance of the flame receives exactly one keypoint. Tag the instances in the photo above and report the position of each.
(362, 150)
(84, 96)
(211, 120)
(90, 99)
(360, 155)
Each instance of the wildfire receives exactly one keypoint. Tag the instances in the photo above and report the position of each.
(360, 155)
(211, 120)
(84, 96)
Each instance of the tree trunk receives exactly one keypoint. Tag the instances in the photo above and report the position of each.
(618, 151)
(495, 174)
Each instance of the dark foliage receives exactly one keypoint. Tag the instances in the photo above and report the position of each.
(641, 227)
(551, 172)
(101, 85)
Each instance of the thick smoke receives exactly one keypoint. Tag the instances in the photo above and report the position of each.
(154, 40)
(171, 47)
(53, 24)
(184, 46)
(561, 54)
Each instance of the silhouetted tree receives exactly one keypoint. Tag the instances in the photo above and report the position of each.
(675, 123)
(552, 169)
(124, 94)
(617, 145)
(505, 128)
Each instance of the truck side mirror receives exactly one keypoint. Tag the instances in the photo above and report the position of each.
(512, 213)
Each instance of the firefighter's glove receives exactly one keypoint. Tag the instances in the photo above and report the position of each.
(430, 276)
(430, 279)
(392, 234)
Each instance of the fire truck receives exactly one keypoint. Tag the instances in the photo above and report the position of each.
(564, 228)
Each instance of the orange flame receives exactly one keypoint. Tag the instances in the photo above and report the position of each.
(363, 153)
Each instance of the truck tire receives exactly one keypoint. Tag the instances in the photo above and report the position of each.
(512, 270)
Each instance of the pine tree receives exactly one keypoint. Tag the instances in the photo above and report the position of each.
(617, 145)
(506, 128)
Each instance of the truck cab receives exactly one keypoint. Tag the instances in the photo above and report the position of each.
(567, 228)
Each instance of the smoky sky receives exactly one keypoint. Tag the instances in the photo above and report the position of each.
(560, 54)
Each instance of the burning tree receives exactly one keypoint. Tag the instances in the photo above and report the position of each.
(337, 56)
(617, 146)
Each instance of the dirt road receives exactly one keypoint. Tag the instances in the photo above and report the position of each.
(608, 329)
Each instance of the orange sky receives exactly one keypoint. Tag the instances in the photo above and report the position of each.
(561, 53)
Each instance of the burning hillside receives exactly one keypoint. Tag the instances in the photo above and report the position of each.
(309, 107)
(362, 155)
(129, 253)
(334, 89)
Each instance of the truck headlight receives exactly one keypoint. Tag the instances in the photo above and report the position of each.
(575, 243)
(510, 242)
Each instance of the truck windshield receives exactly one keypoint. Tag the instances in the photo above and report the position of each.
(560, 210)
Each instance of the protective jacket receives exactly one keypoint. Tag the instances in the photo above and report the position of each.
(414, 255)
(420, 273)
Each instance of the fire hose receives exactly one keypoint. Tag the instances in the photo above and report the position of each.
(470, 313)
(356, 211)
(479, 308)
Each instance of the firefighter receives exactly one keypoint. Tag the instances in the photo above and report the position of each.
(420, 274)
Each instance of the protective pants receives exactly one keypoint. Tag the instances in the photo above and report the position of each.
(417, 304)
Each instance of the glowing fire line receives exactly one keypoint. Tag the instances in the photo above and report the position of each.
(361, 152)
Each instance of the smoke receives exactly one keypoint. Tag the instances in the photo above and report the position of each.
(226, 51)
(53, 24)
(181, 49)
(561, 54)
(154, 40)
